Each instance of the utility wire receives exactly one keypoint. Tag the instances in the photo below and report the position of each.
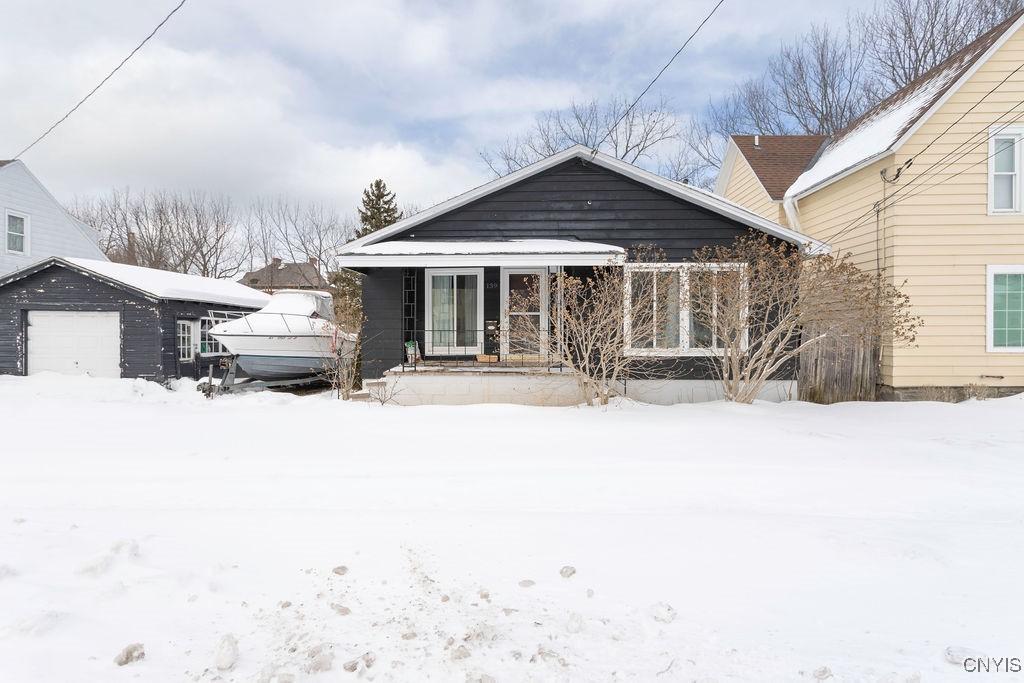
(657, 76)
(100, 85)
(945, 161)
(960, 118)
(893, 199)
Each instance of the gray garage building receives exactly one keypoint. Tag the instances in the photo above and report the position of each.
(80, 316)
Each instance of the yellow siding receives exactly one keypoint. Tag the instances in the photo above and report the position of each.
(939, 238)
(745, 189)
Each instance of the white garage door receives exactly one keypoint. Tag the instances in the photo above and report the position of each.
(74, 343)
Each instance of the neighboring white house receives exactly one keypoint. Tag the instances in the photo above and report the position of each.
(35, 225)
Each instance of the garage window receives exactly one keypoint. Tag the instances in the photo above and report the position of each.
(186, 349)
(209, 346)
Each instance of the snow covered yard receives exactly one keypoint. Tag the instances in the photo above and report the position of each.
(709, 542)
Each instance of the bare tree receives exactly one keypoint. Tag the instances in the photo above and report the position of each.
(821, 80)
(757, 304)
(589, 317)
(295, 231)
(906, 38)
(186, 233)
(612, 127)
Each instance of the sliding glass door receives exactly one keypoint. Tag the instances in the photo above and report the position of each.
(455, 311)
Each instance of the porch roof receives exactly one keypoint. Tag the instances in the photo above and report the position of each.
(536, 252)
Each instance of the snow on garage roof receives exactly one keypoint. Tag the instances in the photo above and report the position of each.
(886, 126)
(163, 284)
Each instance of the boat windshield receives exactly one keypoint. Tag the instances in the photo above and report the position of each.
(301, 303)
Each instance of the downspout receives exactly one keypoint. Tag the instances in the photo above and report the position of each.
(792, 209)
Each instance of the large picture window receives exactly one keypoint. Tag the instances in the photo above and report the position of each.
(1005, 323)
(664, 296)
(455, 311)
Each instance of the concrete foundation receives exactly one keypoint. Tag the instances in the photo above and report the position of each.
(535, 387)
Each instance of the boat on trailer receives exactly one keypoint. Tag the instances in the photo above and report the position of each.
(293, 337)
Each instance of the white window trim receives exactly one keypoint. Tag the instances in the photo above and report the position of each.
(28, 232)
(684, 350)
(428, 341)
(990, 296)
(544, 278)
(1016, 132)
(192, 327)
(198, 335)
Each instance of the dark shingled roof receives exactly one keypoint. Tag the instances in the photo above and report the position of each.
(778, 160)
(279, 275)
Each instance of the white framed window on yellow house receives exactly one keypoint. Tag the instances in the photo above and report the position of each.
(1005, 309)
(673, 329)
(1004, 170)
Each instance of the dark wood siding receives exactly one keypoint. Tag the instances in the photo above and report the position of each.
(576, 200)
(382, 332)
(172, 311)
(59, 289)
(148, 343)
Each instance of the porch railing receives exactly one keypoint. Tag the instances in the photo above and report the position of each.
(489, 347)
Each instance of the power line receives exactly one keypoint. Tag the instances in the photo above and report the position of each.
(100, 85)
(944, 160)
(859, 220)
(892, 200)
(960, 118)
(658, 75)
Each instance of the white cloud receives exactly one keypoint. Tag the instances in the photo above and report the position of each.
(318, 98)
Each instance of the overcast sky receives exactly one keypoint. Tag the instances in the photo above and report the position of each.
(317, 98)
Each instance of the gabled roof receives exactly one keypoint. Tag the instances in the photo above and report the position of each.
(153, 283)
(87, 231)
(279, 275)
(887, 125)
(777, 160)
(702, 198)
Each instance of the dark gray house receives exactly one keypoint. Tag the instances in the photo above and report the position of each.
(80, 316)
(436, 285)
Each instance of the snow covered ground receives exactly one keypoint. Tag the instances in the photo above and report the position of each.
(710, 542)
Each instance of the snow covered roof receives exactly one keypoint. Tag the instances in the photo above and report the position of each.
(159, 284)
(707, 200)
(496, 247)
(539, 252)
(886, 126)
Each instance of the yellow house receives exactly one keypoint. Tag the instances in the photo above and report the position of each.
(927, 187)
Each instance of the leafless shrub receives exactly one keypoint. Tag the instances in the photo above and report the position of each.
(587, 317)
(760, 303)
(383, 392)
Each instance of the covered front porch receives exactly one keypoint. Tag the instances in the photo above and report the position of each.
(453, 305)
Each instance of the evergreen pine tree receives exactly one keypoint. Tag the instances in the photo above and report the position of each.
(379, 208)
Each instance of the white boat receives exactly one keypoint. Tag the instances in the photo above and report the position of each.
(294, 336)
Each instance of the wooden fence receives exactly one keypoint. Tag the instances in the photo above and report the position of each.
(834, 370)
